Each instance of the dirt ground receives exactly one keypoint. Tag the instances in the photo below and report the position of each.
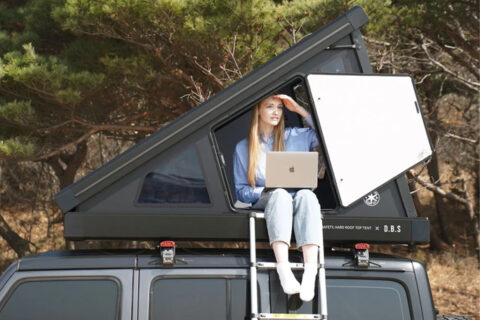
(33, 227)
(455, 283)
(454, 278)
(454, 274)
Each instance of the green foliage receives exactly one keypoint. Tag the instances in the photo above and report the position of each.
(19, 112)
(16, 149)
(70, 66)
(51, 95)
(87, 53)
(38, 20)
(46, 76)
(200, 28)
(11, 28)
(31, 22)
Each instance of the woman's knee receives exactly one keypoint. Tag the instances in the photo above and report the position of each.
(281, 194)
(280, 203)
(306, 194)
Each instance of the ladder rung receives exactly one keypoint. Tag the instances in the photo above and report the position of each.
(277, 316)
(258, 215)
(273, 265)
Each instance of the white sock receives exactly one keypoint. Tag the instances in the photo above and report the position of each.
(307, 290)
(288, 281)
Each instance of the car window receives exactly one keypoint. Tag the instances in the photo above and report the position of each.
(200, 299)
(366, 300)
(178, 178)
(62, 299)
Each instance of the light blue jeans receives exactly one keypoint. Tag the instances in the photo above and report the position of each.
(282, 210)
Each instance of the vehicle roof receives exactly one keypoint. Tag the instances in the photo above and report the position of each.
(189, 258)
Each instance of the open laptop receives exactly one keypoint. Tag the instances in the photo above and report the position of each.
(291, 170)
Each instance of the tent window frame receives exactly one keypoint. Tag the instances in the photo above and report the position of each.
(201, 165)
(229, 191)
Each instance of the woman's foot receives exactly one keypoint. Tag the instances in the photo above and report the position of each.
(307, 290)
(288, 281)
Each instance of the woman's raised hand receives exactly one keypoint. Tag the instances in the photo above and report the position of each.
(292, 105)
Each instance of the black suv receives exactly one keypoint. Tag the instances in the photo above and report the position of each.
(203, 285)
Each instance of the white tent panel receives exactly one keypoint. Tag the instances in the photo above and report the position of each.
(372, 128)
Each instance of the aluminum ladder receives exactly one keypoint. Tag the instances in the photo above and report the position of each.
(254, 265)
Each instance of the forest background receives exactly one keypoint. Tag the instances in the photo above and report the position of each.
(82, 80)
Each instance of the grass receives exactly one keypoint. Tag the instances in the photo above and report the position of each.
(455, 283)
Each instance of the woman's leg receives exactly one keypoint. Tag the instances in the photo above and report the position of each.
(307, 227)
(279, 216)
(310, 257)
(278, 208)
(288, 281)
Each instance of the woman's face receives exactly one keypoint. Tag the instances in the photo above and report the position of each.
(270, 111)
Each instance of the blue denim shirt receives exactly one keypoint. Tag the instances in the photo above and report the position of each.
(296, 139)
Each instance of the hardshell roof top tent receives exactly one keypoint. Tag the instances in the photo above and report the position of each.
(178, 183)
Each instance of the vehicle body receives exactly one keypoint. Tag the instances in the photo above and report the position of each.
(203, 284)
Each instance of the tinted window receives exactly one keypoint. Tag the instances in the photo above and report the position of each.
(177, 179)
(333, 65)
(62, 299)
(366, 300)
(199, 299)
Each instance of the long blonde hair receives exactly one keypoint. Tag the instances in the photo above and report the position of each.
(254, 141)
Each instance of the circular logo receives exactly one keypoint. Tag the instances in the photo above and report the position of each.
(372, 199)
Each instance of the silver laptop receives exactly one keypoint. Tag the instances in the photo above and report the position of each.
(291, 170)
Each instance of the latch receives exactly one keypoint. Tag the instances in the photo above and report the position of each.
(167, 251)
(361, 255)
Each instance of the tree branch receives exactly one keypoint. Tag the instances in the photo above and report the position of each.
(448, 195)
(451, 135)
(209, 73)
(17, 243)
(471, 84)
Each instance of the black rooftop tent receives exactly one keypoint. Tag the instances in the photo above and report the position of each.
(178, 183)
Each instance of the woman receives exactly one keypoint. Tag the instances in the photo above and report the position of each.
(282, 208)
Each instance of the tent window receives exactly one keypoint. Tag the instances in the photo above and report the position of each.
(177, 179)
(233, 131)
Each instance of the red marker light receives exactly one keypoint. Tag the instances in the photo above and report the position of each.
(362, 246)
(167, 244)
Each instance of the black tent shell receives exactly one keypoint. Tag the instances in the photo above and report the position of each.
(105, 204)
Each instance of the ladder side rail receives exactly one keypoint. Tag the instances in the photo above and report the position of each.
(253, 269)
(321, 274)
(253, 277)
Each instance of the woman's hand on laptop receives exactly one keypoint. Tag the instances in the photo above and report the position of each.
(292, 105)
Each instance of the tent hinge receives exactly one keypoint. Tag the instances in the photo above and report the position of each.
(342, 46)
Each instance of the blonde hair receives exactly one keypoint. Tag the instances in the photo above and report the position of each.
(254, 141)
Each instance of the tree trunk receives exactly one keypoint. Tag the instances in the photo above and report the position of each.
(412, 185)
(17, 243)
(433, 168)
(435, 242)
(440, 207)
(65, 165)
